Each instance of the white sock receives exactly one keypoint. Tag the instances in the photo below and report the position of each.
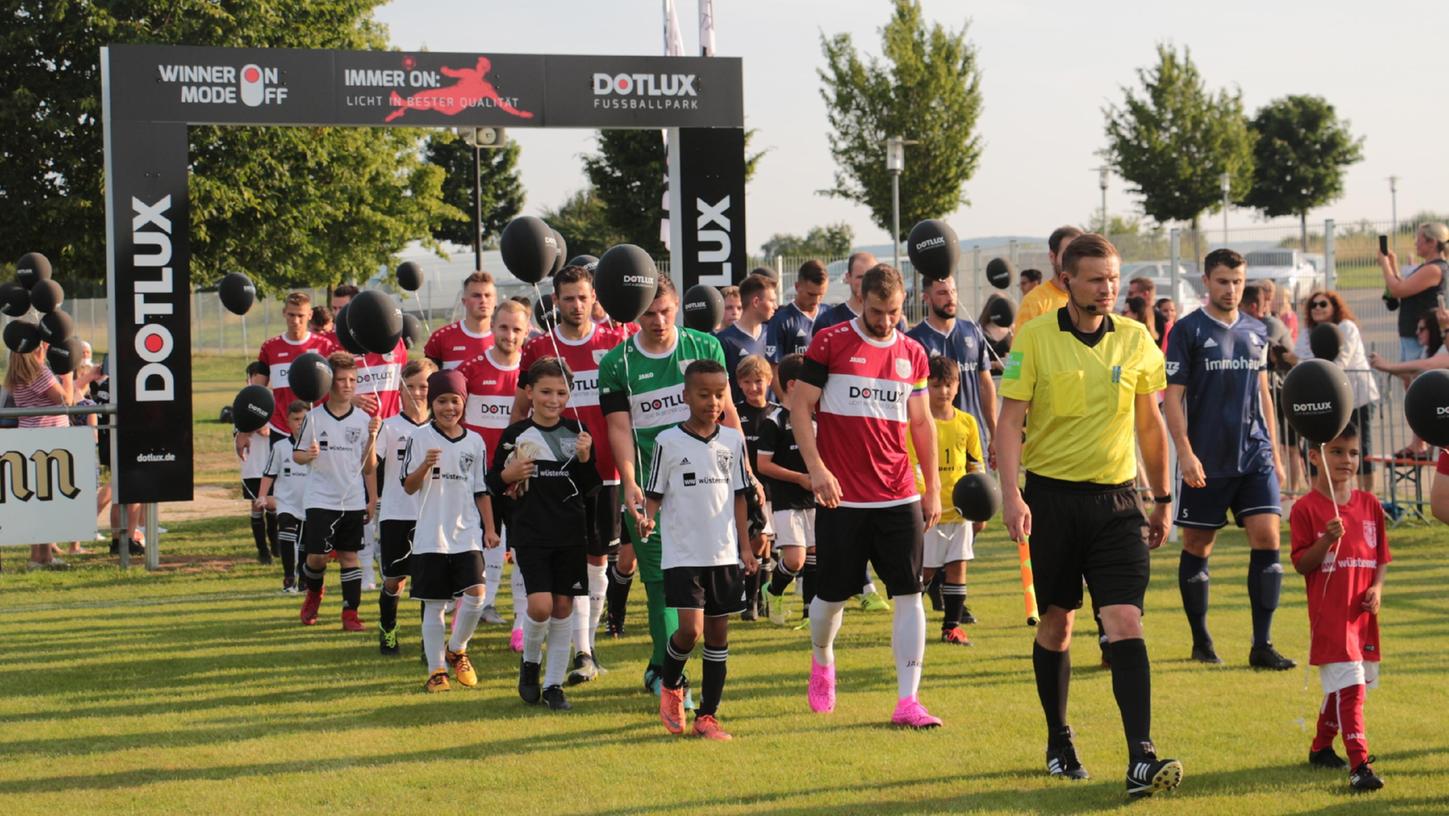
(470, 608)
(368, 555)
(598, 586)
(492, 571)
(533, 634)
(558, 651)
(579, 623)
(869, 588)
(520, 597)
(908, 643)
(434, 638)
(825, 618)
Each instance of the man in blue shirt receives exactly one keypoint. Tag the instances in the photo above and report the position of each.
(746, 335)
(963, 341)
(788, 332)
(855, 268)
(1219, 410)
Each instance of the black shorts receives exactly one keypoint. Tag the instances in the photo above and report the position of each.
(440, 577)
(602, 522)
(395, 539)
(1095, 532)
(847, 539)
(326, 530)
(289, 530)
(556, 570)
(717, 590)
(250, 488)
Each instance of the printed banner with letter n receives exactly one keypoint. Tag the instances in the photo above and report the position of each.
(47, 485)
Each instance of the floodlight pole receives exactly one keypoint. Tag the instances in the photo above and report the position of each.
(1394, 204)
(1102, 183)
(470, 135)
(895, 163)
(1227, 184)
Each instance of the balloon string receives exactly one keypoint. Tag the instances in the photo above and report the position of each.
(421, 314)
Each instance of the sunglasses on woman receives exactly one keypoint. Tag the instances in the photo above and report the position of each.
(1320, 304)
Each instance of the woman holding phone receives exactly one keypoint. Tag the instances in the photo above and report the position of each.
(1419, 294)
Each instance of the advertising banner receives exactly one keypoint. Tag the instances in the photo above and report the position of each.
(47, 485)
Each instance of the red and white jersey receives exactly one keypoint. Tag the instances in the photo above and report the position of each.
(381, 376)
(454, 345)
(491, 390)
(277, 355)
(862, 419)
(582, 358)
(1342, 630)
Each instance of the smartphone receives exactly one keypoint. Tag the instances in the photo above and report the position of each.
(1383, 244)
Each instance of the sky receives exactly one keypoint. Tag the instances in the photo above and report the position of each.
(1048, 71)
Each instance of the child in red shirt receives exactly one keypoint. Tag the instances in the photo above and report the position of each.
(1342, 551)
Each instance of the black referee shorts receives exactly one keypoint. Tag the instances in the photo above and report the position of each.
(847, 538)
(601, 522)
(1081, 530)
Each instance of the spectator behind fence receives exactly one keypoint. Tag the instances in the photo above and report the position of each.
(998, 338)
(1421, 291)
(1029, 280)
(31, 385)
(1164, 315)
(1430, 333)
(1136, 308)
(1328, 307)
(1286, 313)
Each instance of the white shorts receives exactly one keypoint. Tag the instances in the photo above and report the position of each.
(794, 528)
(947, 542)
(1338, 676)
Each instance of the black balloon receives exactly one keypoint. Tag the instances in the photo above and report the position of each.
(310, 377)
(63, 357)
(14, 299)
(344, 333)
(237, 293)
(703, 307)
(998, 273)
(1317, 400)
(410, 276)
(1326, 341)
(626, 281)
(252, 408)
(56, 327)
(412, 331)
(528, 247)
(1001, 311)
(544, 313)
(1278, 334)
(976, 497)
(31, 269)
(375, 320)
(22, 336)
(561, 251)
(46, 296)
(588, 262)
(1426, 407)
(933, 249)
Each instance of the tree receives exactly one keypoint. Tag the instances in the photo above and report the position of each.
(1173, 141)
(928, 90)
(502, 192)
(289, 206)
(1301, 151)
(582, 222)
(829, 241)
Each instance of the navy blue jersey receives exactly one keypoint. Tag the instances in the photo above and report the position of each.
(737, 346)
(966, 344)
(788, 332)
(1220, 367)
(837, 314)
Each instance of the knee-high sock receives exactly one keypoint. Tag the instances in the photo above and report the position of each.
(953, 600)
(272, 532)
(368, 555)
(534, 631)
(313, 578)
(1265, 584)
(675, 656)
(434, 635)
(780, 581)
(520, 598)
(807, 583)
(1053, 680)
(662, 621)
(558, 651)
(1327, 723)
(1193, 581)
(492, 572)
(617, 595)
(908, 643)
(868, 587)
(351, 588)
(1351, 724)
(598, 586)
(386, 609)
(287, 549)
(465, 621)
(259, 532)
(579, 623)
(1132, 686)
(715, 658)
(825, 618)
(752, 587)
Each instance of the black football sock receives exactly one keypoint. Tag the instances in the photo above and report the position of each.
(387, 609)
(259, 533)
(1053, 680)
(780, 581)
(351, 588)
(288, 551)
(953, 599)
(933, 590)
(1265, 584)
(1132, 686)
(617, 594)
(674, 660)
(807, 583)
(313, 578)
(272, 532)
(715, 658)
(1193, 581)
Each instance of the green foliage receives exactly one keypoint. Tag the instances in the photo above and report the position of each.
(926, 89)
(289, 206)
(1173, 139)
(828, 241)
(628, 175)
(581, 220)
(1300, 152)
(502, 192)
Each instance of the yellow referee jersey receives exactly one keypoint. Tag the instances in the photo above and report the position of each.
(1044, 299)
(1079, 426)
(958, 450)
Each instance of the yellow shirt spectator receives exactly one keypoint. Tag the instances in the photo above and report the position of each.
(1044, 299)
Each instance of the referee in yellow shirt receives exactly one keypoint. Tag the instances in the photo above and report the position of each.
(1084, 381)
(1052, 293)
